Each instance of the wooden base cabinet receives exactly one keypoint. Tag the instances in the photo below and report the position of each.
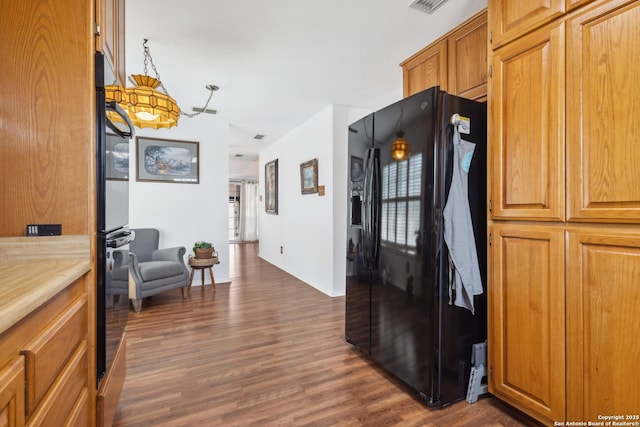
(46, 365)
(603, 320)
(12, 394)
(564, 195)
(527, 309)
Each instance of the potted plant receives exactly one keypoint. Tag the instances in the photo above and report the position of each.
(203, 250)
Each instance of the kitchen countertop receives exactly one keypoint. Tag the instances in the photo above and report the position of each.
(34, 269)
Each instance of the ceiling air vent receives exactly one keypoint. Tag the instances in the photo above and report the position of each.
(426, 6)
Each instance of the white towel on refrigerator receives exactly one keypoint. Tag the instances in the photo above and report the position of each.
(464, 272)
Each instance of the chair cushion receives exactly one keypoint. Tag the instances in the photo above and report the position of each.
(152, 270)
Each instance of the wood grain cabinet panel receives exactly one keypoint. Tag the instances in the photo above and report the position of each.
(79, 415)
(603, 113)
(468, 59)
(509, 19)
(111, 20)
(111, 387)
(526, 127)
(603, 322)
(426, 69)
(46, 116)
(59, 402)
(46, 356)
(526, 321)
(12, 394)
(563, 107)
(457, 62)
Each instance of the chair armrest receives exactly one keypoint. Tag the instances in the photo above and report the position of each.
(120, 257)
(169, 254)
(134, 271)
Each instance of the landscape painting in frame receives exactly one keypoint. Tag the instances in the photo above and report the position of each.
(165, 160)
(271, 187)
(309, 177)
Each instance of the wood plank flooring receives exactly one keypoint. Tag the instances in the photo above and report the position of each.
(266, 350)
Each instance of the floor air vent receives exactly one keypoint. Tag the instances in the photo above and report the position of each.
(426, 6)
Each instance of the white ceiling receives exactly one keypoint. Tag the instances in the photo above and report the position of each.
(280, 62)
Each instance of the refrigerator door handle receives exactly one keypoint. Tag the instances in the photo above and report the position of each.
(376, 201)
(371, 202)
(366, 204)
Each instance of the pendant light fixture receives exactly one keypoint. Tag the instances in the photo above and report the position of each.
(400, 148)
(145, 103)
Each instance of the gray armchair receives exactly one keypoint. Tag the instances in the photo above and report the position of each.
(151, 270)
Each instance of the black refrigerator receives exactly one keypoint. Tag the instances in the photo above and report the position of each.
(401, 291)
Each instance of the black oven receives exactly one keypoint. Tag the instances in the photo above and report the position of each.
(112, 222)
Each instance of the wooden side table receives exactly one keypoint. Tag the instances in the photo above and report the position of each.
(202, 264)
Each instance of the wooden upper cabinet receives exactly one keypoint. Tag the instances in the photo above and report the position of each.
(46, 115)
(526, 127)
(603, 320)
(425, 69)
(468, 59)
(110, 40)
(526, 320)
(457, 62)
(575, 4)
(603, 113)
(509, 19)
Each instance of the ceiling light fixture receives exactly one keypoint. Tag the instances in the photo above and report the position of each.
(145, 104)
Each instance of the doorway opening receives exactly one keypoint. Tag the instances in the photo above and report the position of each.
(234, 211)
(243, 211)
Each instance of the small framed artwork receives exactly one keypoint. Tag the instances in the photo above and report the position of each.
(271, 187)
(357, 169)
(309, 177)
(117, 158)
(165, 160)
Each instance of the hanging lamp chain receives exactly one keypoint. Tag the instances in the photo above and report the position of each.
(149, 60)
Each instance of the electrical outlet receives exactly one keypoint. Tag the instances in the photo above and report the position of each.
(281, 250)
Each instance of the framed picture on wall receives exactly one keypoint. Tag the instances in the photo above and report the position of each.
(165, 160)
(271, 187)
(309, 177)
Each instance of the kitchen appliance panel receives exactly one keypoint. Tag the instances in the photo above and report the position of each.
(358, 289)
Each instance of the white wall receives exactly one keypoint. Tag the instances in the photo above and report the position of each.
(186, 213)
(242, 169)
(310, 228)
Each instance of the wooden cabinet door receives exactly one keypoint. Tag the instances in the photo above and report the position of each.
(575, 4)
(110, 17)
(603, 320)
(12, 394)
(425, 69)
(603, 113)
(526, 320)
(509, 19)
(526, 127)
(468, 59)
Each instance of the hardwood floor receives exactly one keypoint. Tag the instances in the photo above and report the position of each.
(266, 350)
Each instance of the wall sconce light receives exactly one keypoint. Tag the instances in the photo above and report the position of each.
(400, 148)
